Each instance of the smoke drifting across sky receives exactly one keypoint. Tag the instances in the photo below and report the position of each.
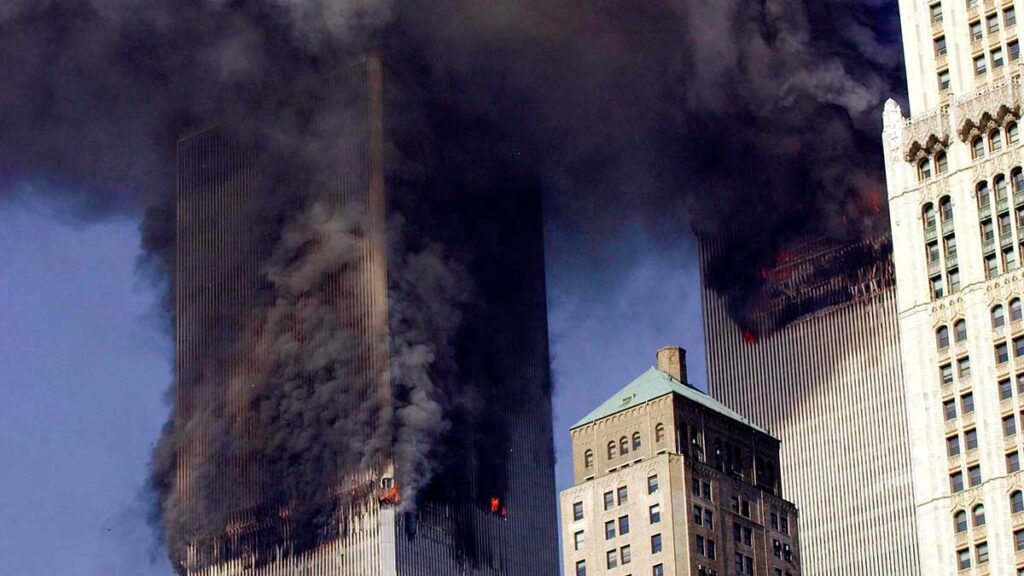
(759, 119)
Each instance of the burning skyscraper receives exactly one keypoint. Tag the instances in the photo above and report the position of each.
(362, 369)
(813, 355)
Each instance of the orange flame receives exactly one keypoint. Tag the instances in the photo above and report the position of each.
(749, 338)
(391, 496)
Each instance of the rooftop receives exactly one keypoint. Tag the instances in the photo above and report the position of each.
(654, 384)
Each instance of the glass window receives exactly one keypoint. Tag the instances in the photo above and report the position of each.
(997, 316)
(946, 373)
(625, 555)
(784, 523)
(623, 525)
(924, 169)
(993, 23)
(980, 66)
(652, 484)
(655, 543)
(940, 46)
(588, 459)
(1010, 17)
(659, 432)
(988, 232)
(577, 510)
(952, 445)
(1014, 49)
(1018, 346)
(995, 137)
(705, 489)
(942, 337)
(944, 80)
(963, 368)
(655, 515)
(978, 144)
(578, 540)
(941, 163)
(1016, 312)
(1009, 425)
(623, 446)
(954, 280)
(711, 549)
(963, 558)
(609, 530)
(698, 515)
(1016, 502)
(971, 439)
(1018, 539)
(581, 568)
(612, 558)
(981, 552)
(937, 286)
(960, 521)
(976, 30)
(935, 10)
(991, 267)
(609, 500)
(928, 215)
(699, 541)
(623, 495)
(949, 409)
(709, 519)
(1012, 462)
(960, 331)
(658, 570)
(978, 515)
(1005, 390)
(1012, 135)
(1009, 259)
(967, 403)
(636, 441)
(974, 475)
(932, 251)
(946, 209)
(997, 60)
(611, 450)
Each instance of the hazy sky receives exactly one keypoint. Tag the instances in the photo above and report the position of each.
(84, 372)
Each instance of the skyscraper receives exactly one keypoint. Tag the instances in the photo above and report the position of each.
(814, 357)
(669, 481)
(322, 367)
(956, 195)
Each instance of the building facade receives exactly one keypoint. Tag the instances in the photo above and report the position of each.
(490, 507)
(670, 482)
(816, 360)
(956, 197)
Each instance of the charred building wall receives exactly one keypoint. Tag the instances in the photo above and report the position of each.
(362, 361)
(814, 356)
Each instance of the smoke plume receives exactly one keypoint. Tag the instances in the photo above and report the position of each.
(752, 120)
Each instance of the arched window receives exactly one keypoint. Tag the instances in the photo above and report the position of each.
(611, 450)
(1017, 176)
(999, 183)
(1015, 311)
(997, 316)
(979, 515)
(981, 190)
(928, 215)
(1012, 133)
(1016, 502)
(960, 521)
(978, 147)
(942, 337)
(588, 459)
(659, 432)
(924, 169)
(636, 441)
(946, 209)
(941, 163)
(995, 139)
(960, 331)
(623, 446)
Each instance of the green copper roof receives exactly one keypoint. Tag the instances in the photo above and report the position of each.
(653, 384)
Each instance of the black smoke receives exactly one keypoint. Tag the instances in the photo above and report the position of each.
(756, 121)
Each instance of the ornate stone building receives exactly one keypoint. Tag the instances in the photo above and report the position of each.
(956, 197)
(669, 481)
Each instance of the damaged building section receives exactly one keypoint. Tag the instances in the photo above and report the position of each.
(362, 370)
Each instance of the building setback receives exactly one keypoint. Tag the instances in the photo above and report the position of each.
(494, 511)
(668, 481)
(818, 364)
(956, 196)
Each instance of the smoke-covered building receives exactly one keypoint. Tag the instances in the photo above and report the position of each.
(956, 195)
(362, 367)
(813, 355)
(669, 482)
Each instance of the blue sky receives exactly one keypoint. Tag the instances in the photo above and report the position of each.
(85, 372)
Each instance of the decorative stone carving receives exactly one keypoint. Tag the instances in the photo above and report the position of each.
(926, 134)
(948, 309)
(993, 106)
